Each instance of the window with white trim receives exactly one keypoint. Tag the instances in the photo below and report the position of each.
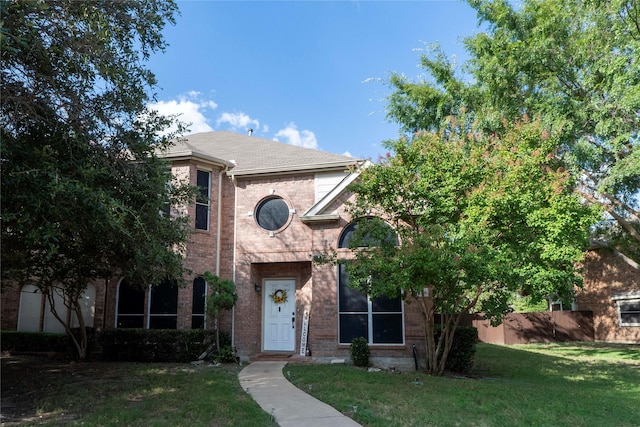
(203, 200)
(380, 319)
(628, 309)
(130, 306)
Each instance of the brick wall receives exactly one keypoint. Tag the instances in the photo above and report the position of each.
(606, 273)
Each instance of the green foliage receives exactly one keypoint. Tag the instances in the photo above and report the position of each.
(360, 353)
(463, 350)
(222, 294)
(527, 304)
(156, 345)
(574, 64)
(27, 342)
(83, 186)
(478, 216)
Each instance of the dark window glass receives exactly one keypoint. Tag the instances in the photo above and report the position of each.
(164, 298)
(384, 303)
(272, 214)
(350, 299)
(129, 321)
(349, 230)
(202, 217)
(353, 326)
(356, 309)
(163, 322)
(130, 299)
(202, 200)
(629, 312)
(387, 328)
(198, 307)
(130, 306)
(163, 309)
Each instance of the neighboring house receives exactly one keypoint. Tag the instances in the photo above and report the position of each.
(612, 291)
(265, 210)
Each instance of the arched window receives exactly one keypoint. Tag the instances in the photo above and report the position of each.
(198, 303)
(380, 320)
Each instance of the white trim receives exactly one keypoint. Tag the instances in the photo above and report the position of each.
(315, 211)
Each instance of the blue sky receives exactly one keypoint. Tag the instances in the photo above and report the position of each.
(310, 73)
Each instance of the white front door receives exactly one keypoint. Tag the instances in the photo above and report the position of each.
(279, 320)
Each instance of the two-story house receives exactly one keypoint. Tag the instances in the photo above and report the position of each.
(265, 210)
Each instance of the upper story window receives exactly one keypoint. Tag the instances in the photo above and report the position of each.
(272, 213)
(203, 200)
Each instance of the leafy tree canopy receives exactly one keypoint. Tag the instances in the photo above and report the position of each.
(573, 63)
(478, 217)
(83, 189)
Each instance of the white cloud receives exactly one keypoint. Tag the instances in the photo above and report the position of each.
(238, 121)
(348, 154)
(293, 136)
(190, 109)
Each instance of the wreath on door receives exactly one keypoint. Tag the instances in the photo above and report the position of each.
(279, 296)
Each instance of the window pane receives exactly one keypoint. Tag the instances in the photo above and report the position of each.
(199, 291)
(353, 326)
(164, 298)
(30, 309)
(163, 322)
(197, 322)
(384, 303)
(202, 217)
(272, 214)
(387, 328)
(203, 187)
(130, 321)
(130, 299)
(350, 299)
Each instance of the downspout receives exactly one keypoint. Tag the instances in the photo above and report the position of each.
(235, 222)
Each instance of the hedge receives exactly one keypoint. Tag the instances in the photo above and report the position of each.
(132, 345)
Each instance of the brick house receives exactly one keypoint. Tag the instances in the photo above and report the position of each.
(612, 292)
(266, 208)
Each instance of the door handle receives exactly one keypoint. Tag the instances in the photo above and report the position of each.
(293, 322)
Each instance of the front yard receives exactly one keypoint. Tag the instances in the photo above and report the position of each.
(584, 384)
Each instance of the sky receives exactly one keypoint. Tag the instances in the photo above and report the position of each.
(308, 73)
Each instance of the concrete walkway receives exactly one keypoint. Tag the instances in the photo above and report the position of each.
(290, 406)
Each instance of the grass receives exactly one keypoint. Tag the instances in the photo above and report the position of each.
(581, 384)
(129, 394)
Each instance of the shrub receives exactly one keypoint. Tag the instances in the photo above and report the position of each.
(156, 345)
(360, 352)
(40, 342)
(463, 350)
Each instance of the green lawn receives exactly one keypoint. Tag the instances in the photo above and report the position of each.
(584, 384)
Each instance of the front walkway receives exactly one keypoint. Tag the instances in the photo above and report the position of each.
(290, 406)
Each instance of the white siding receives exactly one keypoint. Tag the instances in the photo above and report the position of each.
(325, 182)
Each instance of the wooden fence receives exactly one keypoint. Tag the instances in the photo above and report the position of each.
(524, 328)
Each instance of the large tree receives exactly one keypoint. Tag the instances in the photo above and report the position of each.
(576, 64)
(478, 217)
(84, 193)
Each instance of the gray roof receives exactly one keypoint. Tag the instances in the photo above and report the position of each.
(249, 155)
